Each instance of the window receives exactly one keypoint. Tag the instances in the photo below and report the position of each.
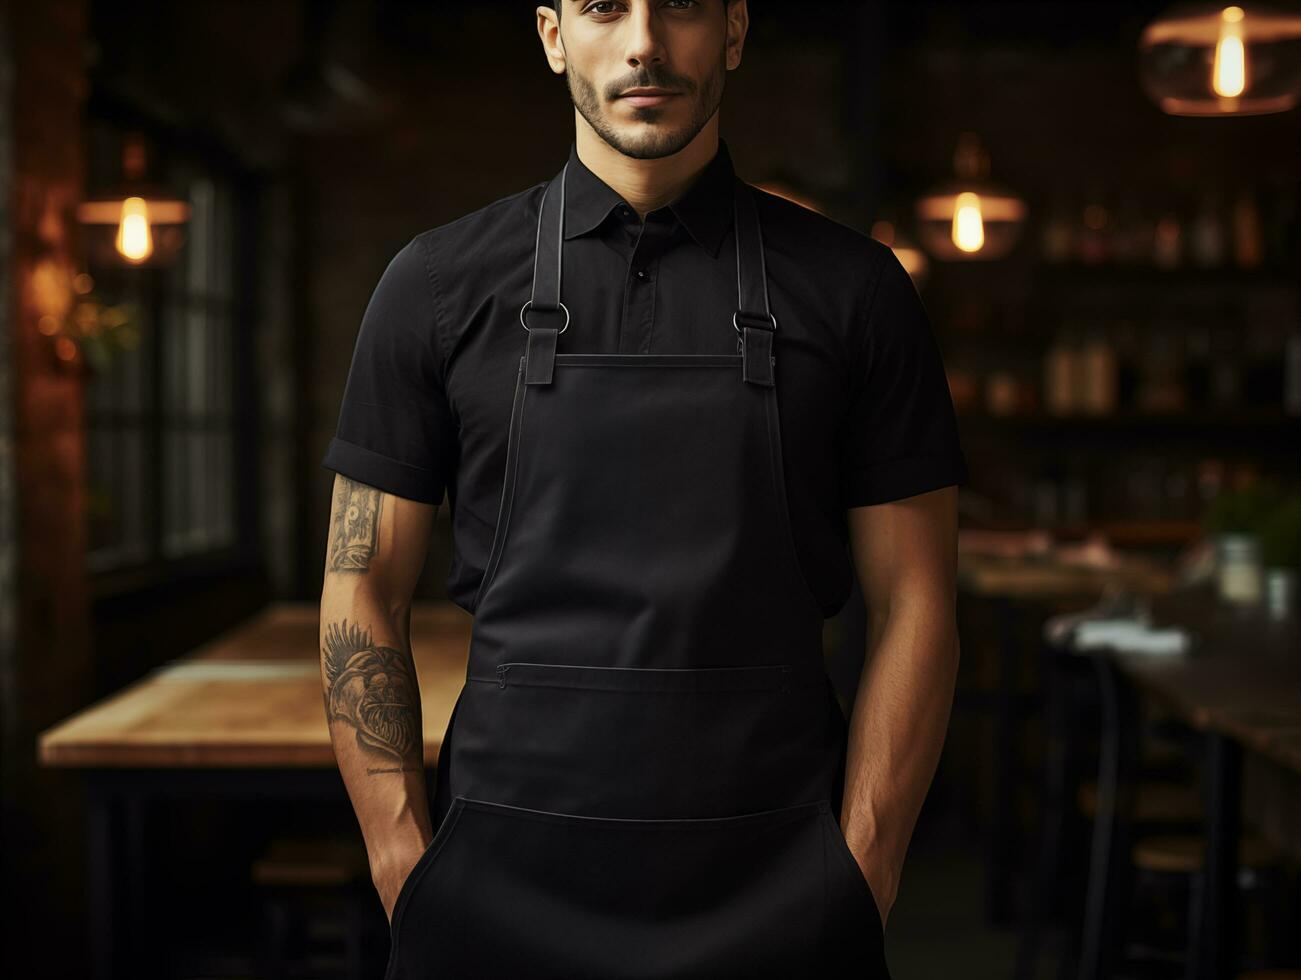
(165, 479)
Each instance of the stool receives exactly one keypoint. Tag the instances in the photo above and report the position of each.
(1154, 803)
(1185, 853)
(1181, 857)
(292, 869)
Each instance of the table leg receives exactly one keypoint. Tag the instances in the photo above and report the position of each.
(103, 898)
(1213, 945)
(1109, 861)
(1043, 891)
(135, 881)
(1003, 837)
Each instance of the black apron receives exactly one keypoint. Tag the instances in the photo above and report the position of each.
(641, 777)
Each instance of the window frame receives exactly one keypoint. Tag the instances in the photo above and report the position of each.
(242, 555)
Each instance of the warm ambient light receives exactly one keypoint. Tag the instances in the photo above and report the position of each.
(1229, 77)
(135, 221)
(970, 217)
(912, 258)
(968, 228)
(1203, 59)
(134, 239)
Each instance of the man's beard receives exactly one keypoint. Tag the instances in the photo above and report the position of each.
(653, 142)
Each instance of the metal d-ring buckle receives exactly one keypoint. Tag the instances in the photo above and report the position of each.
(738, 328)
(529, 302)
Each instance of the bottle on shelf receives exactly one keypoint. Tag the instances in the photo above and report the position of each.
(1132, 240)
(1094, 243)
(1206, 238)
(1057, 239)
(1167, 242)
(1248, 238)
(1097, 389)
(1060, 373)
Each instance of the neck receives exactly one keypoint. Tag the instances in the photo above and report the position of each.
(646, 184)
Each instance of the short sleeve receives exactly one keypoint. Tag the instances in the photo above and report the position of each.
(395, 430)
(901, 435)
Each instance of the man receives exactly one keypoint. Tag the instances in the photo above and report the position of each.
(667, 410)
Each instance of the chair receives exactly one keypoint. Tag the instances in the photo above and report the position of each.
(300, 872)
(1178, 861)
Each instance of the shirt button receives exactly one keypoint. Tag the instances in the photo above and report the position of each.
(641, 273)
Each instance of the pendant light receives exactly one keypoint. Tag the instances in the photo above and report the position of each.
(1212, 59)
(970, 217)
(134, 223)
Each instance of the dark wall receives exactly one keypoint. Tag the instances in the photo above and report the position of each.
(45, 659)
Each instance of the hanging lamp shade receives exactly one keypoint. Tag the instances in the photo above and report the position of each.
(970, 217)
(135, 222)
(1212, 59)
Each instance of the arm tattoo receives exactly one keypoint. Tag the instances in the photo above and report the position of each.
(373, 689)
(354, 536)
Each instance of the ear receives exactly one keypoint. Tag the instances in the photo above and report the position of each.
(549, 35)
(738, 22)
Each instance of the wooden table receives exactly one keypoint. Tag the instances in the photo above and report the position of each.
(1016, 583)
(1240, 687)
(242, 716)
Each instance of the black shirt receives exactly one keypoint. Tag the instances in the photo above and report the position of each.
(866, 415)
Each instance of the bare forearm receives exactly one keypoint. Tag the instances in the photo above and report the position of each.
(372, 704)
(896, 733)
(370, 689)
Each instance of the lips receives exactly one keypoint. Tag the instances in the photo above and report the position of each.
(647, 98)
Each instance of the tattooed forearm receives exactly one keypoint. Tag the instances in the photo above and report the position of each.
(373, 689)
(354, 534)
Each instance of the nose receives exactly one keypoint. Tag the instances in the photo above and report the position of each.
(643, 43)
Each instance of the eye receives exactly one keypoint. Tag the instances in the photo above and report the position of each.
(675, 4)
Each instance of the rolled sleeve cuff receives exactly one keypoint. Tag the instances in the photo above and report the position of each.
(385, 473)
(905, 477)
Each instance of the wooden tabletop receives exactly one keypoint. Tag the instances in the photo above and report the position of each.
(1242, 676)
(252, 697)
(1044, 577)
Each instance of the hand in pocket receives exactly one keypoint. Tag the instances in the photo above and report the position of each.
(390, 879)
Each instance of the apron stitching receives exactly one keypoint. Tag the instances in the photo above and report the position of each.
(417, 873)
(508, 487)
(766, 819)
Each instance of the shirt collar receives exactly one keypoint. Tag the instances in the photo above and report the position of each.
(705, 209)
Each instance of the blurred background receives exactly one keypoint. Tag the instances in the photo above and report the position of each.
(1099, 203)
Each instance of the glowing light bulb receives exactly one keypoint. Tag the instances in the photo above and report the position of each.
(134, 239)
(968, 224)
(1229, 73)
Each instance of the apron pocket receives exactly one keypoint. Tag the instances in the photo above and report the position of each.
(645, 742)
(418, 870)
(519, 892)
(854, 940)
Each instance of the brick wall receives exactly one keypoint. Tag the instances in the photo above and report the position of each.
(45, 643)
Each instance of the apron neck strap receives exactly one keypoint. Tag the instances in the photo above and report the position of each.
(752, 319)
